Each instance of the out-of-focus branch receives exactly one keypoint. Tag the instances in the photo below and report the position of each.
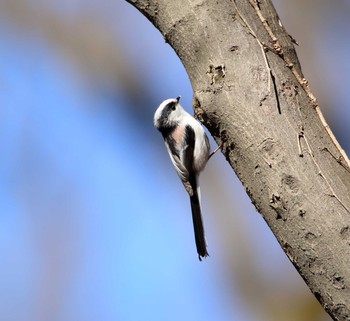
(86, 40)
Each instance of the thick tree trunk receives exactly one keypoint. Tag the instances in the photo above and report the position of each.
(250, 93)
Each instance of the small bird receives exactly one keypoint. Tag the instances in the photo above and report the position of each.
(188, 148)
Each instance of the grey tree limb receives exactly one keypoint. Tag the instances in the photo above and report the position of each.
(249, 91)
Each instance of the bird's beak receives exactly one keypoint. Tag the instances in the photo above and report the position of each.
(178, 98)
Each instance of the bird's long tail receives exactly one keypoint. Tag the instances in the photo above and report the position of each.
(198, 224)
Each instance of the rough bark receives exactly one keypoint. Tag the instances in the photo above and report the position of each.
(250, 93)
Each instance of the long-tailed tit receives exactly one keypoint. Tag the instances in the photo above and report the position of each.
(188, 148)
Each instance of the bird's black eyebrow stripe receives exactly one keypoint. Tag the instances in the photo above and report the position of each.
(171, 104)
(165, 114)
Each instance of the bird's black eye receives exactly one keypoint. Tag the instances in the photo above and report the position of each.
(173, 107)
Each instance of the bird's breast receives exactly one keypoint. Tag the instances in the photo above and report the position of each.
(178, 134)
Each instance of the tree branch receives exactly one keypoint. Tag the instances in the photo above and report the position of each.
(250, 93)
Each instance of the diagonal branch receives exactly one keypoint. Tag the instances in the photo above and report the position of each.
(301, 80)
(303, 196)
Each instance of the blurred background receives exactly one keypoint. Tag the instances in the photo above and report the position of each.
(94, 223)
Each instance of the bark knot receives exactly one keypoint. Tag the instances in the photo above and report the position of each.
(216, 73)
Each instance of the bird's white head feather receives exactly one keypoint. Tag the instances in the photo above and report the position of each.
(169, 113)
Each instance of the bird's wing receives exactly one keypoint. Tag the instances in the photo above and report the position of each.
(180, 168)
(182, 159)
(183, 163)
(188, 160)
